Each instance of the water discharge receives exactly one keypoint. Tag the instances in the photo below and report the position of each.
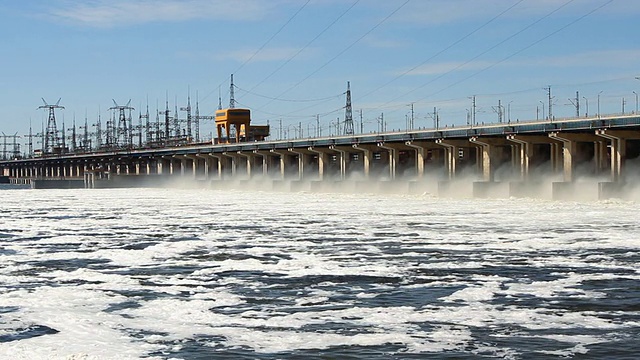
(186, 274)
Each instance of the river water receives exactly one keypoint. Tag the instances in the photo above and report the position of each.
(204, 274)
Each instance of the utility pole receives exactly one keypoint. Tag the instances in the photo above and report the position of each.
(576, 102)
(473, 110)
(435, 118)
(624, 101)
(548, 88)
(412, 118)
(381, 122)
(317, 125)
(498, 110)
(361, 123)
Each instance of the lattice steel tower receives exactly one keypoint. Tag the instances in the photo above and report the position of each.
(51, 138)
(232, 96)
(348, 113)
(124, 123)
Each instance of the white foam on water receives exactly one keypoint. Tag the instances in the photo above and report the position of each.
(240, 236)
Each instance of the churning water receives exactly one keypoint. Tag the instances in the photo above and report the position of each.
(203, 274)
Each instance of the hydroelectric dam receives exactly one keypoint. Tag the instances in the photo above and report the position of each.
(495, 160)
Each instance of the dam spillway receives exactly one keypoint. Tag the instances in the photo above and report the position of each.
(508, 159)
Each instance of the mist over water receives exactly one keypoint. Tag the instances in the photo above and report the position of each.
(198, 274)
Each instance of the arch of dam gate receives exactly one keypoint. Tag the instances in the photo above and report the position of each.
(515, 159)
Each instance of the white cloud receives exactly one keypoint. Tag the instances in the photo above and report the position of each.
(110, 13)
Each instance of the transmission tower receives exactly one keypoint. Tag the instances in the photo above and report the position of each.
(15, 152)
(98, 126)
(147, 127)
(72, 137)
(86, 147)
(176, 120)
(30, 140)
(198, 117)
(51, 139)
(348, 114)
(123, 128)
(232, 97)
(188, 110)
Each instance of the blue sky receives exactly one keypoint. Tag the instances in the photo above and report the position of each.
(291, 59)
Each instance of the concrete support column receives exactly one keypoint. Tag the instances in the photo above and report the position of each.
(421, 151)
(367, 157)
(194, 166)
(283, 161)
(486, 157)
(234, 157)
(618, 140)
(303, 156)
(159, 166)
(208, 164)
(266, 161)
(600, 156)
(393, 158)
(569, 150)
(556, 157)
(323, 160)
(568, 153)
(525, 153)
(451, 157)
(345, 153)
(250, 156)
(220, 159)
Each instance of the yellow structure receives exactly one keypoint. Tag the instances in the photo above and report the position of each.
(240, 119)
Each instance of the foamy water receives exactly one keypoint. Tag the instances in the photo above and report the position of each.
(185, 274)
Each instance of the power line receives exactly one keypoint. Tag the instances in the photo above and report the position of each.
(264, 45)
(521, 50)
(481, 54)
(343, 50)
(308, 44)
(288, 100)
(446, 48)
